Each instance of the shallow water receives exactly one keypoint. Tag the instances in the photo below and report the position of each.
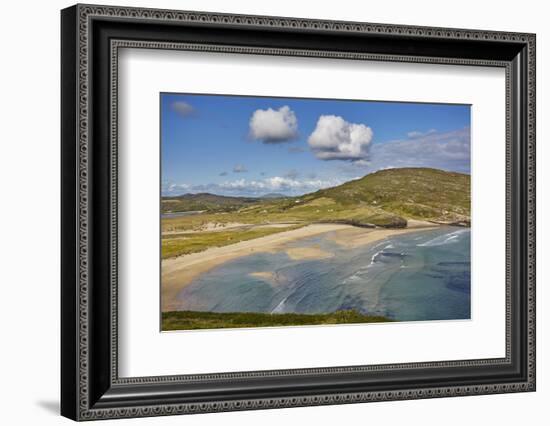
(417, 276)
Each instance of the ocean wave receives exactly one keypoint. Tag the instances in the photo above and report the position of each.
(379, 257)
(387, 256)
(440, 240)
(279, 309)
(376, 254)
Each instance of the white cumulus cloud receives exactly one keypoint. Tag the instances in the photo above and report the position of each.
(171, 188)
(416, 134)
(274, 126)
(253, 187)
(336, 139)
(273, 184)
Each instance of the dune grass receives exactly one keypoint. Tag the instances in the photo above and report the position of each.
(193, 320)
(186, 243)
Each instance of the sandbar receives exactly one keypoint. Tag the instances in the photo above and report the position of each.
(307, 253)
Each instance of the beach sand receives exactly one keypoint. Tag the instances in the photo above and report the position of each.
(219, 227)
(267, 276)
(307, 253)
(180, 271)
(357, 237)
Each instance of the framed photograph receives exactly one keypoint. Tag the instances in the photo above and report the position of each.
(263, 212)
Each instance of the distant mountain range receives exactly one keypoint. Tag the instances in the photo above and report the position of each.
(205, 201)
(273, 195)
(385, 198)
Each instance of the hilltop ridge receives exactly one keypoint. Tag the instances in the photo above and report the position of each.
(414, 193)
(387, 198)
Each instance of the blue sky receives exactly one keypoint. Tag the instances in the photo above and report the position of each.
(236, 145)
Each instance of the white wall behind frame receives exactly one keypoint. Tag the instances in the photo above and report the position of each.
(29, 131)
(146, 352)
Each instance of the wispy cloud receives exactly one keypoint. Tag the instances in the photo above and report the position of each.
(184, 109)
(240, 168)
(171, 188)
(282, 184)
(273, 126)
(442, 150)
(254, 188)
(223, 174)
(417, 134)
(336, 139)
(292, 174)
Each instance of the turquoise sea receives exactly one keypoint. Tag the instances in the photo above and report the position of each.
(418, 276)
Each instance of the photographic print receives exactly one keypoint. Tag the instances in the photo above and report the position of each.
(292, 192)
(292, 211)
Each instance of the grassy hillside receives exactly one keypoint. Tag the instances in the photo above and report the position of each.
(192, 320)
(387, 198)
(416, 193)
(205, 202)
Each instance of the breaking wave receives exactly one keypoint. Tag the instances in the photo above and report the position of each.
(445, 239)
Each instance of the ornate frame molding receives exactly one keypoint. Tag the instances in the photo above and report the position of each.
(81, 17)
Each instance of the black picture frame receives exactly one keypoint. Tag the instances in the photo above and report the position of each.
(90, 386)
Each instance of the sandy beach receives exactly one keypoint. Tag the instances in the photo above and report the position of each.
(180, 271)
(357, 237)
(307, 253)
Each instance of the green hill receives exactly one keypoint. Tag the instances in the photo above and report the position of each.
(407, 193)
(204, 202)
(386, 198)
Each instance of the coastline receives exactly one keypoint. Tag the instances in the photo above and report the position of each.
(179, 272)
(358, 237)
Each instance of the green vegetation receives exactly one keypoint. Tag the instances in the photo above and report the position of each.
(185, 243)
(417, 193)
(205, 202)
(193, 320)
(387, 198)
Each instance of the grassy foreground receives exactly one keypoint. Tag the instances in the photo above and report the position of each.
(193, 320)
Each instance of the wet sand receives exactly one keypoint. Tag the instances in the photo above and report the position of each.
(179, 272)
(307, 253)
(358, 237)
(267, 276)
